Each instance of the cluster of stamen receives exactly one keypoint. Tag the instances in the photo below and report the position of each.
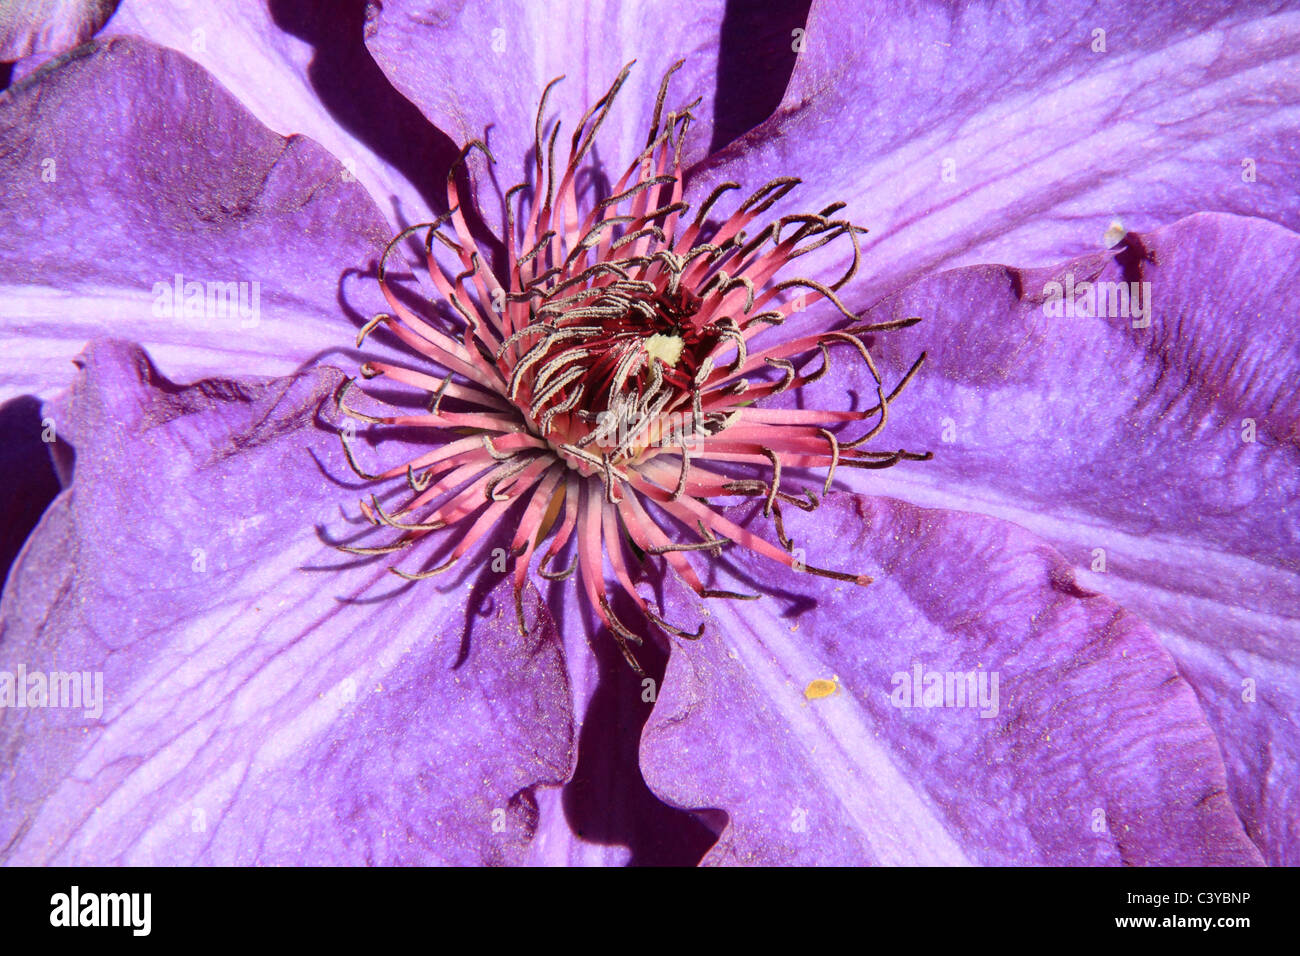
(590, 389)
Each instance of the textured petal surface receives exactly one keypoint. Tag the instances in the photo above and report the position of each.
(263, 701)
(790, 715)
(302, 68)
(1001, 133)
(131, 167)
(29, 27)
(1161, 460)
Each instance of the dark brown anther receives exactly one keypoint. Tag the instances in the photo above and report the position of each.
(779, 522)
(818, 288)
(557, 575)
(519, 611)
(769, 194)
(677, 631)
(352, 462)
(728, 595)
(659, 102)
(424, 575)
(435, 399)
(713, 197)
(370, 326)
(382, 516)
(859, 579)
(383, 549)
(339, 399)
(775, 489)
(417, 484)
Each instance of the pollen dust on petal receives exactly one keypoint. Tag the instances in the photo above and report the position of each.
(821, 687)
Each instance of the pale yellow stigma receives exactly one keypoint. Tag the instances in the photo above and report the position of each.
(666, 348)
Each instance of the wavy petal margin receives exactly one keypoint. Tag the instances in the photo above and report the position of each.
(974, 705)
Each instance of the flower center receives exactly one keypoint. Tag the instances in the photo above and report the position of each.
(615, 369)
(604, 386)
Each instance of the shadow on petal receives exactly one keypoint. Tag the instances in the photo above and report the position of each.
(28, 482)
(607, 801)
(358, 95)
(756, 55)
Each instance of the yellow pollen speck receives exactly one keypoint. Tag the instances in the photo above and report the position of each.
(666, 348)
(820, 688)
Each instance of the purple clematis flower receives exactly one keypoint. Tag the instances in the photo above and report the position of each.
(1079, 644)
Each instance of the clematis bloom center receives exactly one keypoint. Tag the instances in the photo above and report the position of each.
(603, 388)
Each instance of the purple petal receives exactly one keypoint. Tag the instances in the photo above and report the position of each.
(1161, 460)
(264, 701)
(1186, 110)
(1092, 751)
(132, 167)
(299, 71)
(29, 27)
